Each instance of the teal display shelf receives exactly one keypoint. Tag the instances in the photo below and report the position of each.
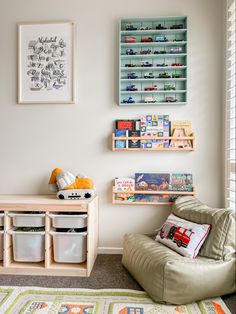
(154, 53)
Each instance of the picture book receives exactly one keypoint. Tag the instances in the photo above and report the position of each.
(124, 184)
(162, 198)
(134, 143)
(181, 182)
(124, 197)
(152, 181)
(132, 125)
(186, 125)
(155, 125)
(121, 143)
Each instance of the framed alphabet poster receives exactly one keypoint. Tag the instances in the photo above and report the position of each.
(46, 62)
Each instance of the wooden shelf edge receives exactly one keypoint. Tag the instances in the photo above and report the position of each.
(155, 192)
(141, 203)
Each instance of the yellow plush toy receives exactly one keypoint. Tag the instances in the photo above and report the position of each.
(69, 186)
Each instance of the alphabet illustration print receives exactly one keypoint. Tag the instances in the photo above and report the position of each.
(46, 67)
(47, 63)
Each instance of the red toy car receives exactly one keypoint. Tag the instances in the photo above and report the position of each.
(130, 39)
(176, 64)
(145, 52)
(150, 88)
(146, 40)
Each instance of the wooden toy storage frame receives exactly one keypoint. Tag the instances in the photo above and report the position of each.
(48, 204)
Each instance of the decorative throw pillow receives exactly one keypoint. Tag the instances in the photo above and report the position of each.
(183, 236)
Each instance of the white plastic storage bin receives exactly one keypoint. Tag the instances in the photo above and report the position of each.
(1, 244)
(28, 246)
(1, 219)
(28, 220)
(69, 247)
(68, 221)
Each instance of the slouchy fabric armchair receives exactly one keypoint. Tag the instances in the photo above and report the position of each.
(169, 277)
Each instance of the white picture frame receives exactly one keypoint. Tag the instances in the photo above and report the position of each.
(46, 63)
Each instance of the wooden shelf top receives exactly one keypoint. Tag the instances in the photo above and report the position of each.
(49, 199)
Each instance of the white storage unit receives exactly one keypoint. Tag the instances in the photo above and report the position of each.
(68, 221)
(27, 220)
(69, 247)
(1, 219)
(28, 246)
(1, 244)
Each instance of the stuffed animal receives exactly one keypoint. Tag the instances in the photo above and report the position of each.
(69, 186)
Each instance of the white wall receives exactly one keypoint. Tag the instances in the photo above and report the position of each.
(36, 138)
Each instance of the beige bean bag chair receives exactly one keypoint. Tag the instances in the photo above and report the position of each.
(169, 277)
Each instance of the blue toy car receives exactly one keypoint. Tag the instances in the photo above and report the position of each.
(130, 52)
(132, 75)
(129, 100)
(131, 88)
(161, 38)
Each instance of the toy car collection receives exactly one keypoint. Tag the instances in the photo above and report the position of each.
(150, 99)
(177, 64)
(150, 88)
(130, 39)
(146, 64)
(148, 75)
(169, 87)
(132, 75)
(130, 27)
(177, 26)
(161, 38)
(176, 50)
(130, 65)
(177, 75)
(144, 28)
(131, 88)
(146, 40)
(162, 65)
(159, 26)
(158, 52)
(145, 52)
(164, 75)
(170, 99)
(130, 52)
(129, 100)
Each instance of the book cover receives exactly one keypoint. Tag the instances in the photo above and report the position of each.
(186, 125)
(181, 182)
(124, 184)
(159, 198)
(155, 125)
(124, 197)
(131, 125)
(152, 181)
(121, 143)
(134, 143)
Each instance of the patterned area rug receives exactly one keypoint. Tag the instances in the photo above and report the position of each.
(28, 300)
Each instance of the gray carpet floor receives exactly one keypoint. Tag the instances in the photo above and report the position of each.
(108, 272)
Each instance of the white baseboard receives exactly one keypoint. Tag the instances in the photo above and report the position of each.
(110, 250)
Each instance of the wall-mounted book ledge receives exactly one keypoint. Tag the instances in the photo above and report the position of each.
(164, 143)
(146, 197)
